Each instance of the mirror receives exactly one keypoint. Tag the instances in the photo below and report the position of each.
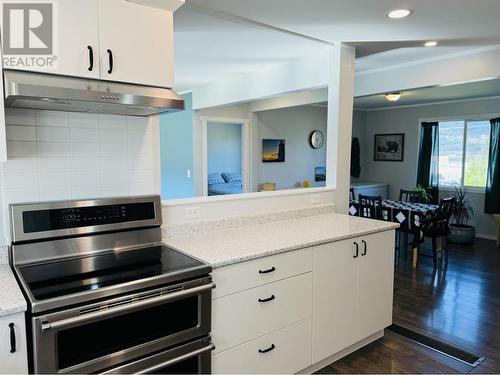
(248, 147)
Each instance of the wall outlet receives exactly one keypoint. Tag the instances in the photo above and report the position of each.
(188, 173)
(315, 199)
(192, 212)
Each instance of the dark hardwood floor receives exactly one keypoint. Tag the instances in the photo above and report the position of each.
(459, 304)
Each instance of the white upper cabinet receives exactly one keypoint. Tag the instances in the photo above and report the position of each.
(136, 43)
(112, 40)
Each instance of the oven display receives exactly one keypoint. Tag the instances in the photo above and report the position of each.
(64, 218)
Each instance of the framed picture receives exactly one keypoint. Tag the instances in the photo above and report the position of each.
(273, 150)
(389, 147)
(319, 174)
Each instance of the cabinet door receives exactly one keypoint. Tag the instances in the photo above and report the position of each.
(376, 280)
(75, 29)
(334, 298)
(140, 39)
(16, 362)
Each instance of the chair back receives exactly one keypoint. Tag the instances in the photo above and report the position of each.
(446, 206)
(351, 194)
(370, 206)
(410, 196)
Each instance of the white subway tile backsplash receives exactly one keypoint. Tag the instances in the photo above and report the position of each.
(79, 178)
(83, 120)
(14, 180)
(55, 193)
(52, 118)
(54, 179)
(52, 134)
(84, 135)
(113, 149)
(19, 150)
(15, 116)
(84, 163)
(112, 122)
(52, 149)
(60, 155)
(84, 149)
(20, 133)
(113, 136)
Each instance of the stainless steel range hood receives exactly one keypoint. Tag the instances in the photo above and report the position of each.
(60, 93)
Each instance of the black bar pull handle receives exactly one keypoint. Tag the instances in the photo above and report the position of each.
(267, 299)
(91, 58)
(110, 56)
(272, 269)
(357, 250)
(12, 338)
(268, 349)
(364, 248)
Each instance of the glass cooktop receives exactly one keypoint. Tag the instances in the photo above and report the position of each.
(65, 277)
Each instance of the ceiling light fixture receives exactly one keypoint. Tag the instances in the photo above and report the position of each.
(393, 96)
(399, 13)
(431, 43)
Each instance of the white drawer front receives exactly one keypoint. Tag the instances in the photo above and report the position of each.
(17, 362)
(246, 275)
(291, 353)
(240, 317)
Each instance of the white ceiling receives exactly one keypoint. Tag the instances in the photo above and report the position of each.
(472, 90)
(209, 47)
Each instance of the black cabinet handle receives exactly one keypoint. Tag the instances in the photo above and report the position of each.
(267, 299)
(364, 248)
(110, 56)
(12, 338)
(272, 269)
(357, 250)
(268, 349)
(91, 58)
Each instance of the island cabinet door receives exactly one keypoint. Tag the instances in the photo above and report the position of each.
(335, 289)
(376, 280)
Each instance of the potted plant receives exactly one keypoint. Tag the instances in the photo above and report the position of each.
(460, 231)
(423, 194)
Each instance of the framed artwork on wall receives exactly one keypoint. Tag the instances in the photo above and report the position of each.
(273, 150)
(389, 147)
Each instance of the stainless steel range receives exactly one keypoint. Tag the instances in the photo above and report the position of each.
(104, 294)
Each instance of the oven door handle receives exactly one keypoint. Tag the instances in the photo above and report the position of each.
(178, 359)
(59, 324)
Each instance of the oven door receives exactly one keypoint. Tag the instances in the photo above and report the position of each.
(191, 358)
(98, 336)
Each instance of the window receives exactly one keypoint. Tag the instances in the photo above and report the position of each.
(463, 152)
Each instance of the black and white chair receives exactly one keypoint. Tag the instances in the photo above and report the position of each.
(370, 206)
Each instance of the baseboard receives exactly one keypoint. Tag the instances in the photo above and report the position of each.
(486, 236)
(325, 362)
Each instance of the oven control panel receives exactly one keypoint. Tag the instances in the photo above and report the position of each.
(75, 217)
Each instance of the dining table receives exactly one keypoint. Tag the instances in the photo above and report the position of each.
(409, 215)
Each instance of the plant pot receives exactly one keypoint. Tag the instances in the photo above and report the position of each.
(462, 233)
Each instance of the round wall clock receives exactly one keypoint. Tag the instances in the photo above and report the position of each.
(316, 139)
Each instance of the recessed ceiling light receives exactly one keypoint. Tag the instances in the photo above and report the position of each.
(431, 43)
(399, 13)
(393, 96)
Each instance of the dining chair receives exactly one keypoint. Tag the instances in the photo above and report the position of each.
(438, 227)
(410, 196)
(351, 194)
(370, 206)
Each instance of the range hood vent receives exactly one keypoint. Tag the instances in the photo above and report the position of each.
(60, 93)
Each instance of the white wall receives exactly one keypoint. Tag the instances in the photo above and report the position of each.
(61, 155)
(224, 147)
(294, 124)
(402, 175)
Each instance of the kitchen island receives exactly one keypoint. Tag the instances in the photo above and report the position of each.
(295, 295)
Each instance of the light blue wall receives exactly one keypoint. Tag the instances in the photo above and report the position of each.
(224, 147)
(176, 152)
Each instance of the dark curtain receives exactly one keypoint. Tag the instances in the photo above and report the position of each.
(491, 197)
(428, 167)
(355, 158)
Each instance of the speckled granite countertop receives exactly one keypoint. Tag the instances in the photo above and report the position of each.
(254, 241)
(11, 298)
